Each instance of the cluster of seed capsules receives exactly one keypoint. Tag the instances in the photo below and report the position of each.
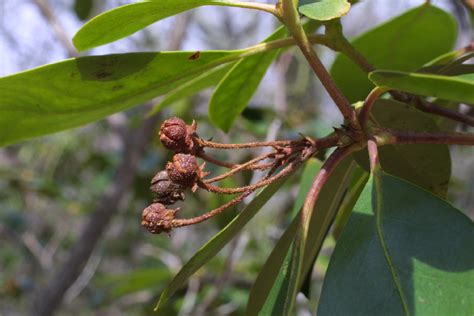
(181, 173)
(184, 172)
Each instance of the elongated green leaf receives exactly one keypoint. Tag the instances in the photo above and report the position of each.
(354, 190)
(324, 10)
(212, 247)
(238, 86)
(128, 19)
(201, 82)
(277, 272)
(458, 88)
(404, 43)
(403, 252)
(428, 166)
(272, 275)
(78, 91)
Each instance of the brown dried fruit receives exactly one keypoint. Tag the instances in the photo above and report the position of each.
(176, 135)
(183, 170)
(156, 218)
(166, 191)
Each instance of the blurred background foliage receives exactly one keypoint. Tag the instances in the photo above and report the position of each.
(52, 187)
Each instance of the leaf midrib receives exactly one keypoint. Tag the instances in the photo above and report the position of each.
(378, 212)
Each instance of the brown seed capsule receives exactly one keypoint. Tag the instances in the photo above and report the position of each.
(166, 191)
(156, 218)
(176, 135)
(183, 170)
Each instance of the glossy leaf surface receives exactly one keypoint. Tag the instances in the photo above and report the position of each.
(403, 252)
(426, 165)
(457, 88)
(404, 43)
(78, 91)
(324, 10)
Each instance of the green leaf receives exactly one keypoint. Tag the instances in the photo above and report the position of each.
(128, 19)
(324, 10)
(78, 91)
(427, 165)
(404, 43)
(213, 246)
(272, 291)
(271, 278)
(208, 79)
(354, 190)
(457, 88)
(238, 86)
(403, 252)
(134, 281)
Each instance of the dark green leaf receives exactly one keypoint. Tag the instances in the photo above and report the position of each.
(272, 291)
(324, 10)
(357, 184)
(405, 43)
(128, 19)
(212, 247)
(458, 88)
(272, 275)
(428, 166)
(238, 86)
(403, 252)
(78, 91)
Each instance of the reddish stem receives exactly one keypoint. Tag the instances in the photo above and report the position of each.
(198, 219)
(322, 177)
(265, 181)
(389, 136)
(210, 144)
(237, 168)
(368, 105)
(215, 161)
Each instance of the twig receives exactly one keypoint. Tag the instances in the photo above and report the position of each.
(387, 136)
(58, 29)
(292, 21)
(264, 182)
(251, 164)
(210, 144)
(368, 104)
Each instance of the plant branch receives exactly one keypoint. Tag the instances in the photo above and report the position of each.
(292, 166)
(292, 21)
(247, 165)
(215, 161)
(387, 136)
(368, 104)
(210, 144)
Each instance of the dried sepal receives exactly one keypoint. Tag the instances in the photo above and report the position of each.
(156, 218)
(166, 191)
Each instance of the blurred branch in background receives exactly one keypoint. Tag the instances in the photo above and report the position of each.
(56, 26)
(48, 299)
